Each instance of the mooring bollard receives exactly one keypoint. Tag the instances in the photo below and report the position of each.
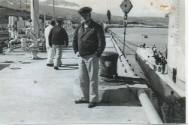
(108, 64)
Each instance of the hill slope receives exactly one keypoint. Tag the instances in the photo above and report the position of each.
(6, 9)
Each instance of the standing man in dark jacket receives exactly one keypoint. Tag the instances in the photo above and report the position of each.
(57, 38)
(88, 44)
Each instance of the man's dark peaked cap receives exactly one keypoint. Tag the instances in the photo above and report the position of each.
(85, 10)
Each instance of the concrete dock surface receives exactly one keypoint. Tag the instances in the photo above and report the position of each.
(32, 93)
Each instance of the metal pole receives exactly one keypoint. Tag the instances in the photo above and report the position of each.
(20, 8)
(20, 5)
(25, 9)
(150, 111)
(35, 16)
(54, 9)
(125, 25)
(26, 5)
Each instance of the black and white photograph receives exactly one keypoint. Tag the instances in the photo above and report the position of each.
(93, 62)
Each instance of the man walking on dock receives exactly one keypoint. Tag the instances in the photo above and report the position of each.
(57, 39)
(88, 44)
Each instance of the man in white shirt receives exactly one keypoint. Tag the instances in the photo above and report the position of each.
(50, 50)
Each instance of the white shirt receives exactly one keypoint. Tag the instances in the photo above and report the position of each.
(47, 33)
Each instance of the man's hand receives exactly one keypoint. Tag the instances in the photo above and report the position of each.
(97, 54)
(67, 43)
(77, 54)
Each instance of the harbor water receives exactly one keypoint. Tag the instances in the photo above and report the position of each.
(140, 35)
(136, 36)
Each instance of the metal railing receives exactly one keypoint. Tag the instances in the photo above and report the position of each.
(119, 41)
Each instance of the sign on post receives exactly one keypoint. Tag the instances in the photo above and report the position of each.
(126, 6)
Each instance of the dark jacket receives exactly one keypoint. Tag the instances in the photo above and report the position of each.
(90, 41)
(58, 36)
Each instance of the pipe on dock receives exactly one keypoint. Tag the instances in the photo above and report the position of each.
(150, 111)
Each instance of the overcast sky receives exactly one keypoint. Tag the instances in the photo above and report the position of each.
(140, 7)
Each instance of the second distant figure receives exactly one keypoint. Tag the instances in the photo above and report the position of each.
(50, 51)
(57, 39)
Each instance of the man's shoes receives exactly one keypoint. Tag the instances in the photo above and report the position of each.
(50, 65)
(35, 58)
(81, 101)
(56, 68)
(92, 104)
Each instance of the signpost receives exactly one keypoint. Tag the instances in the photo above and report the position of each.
(126, 6)
(54, 10)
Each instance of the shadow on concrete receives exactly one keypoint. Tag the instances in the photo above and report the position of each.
(69, 66)
(39, 58)
(119, 97)
(2, 66)
(74, 64)
(15, 68)
(24, 62)
(15, 54)
(8, 61)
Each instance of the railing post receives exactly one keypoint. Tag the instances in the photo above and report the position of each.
(125, 25)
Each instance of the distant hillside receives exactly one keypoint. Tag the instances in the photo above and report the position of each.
(152, 21)
(103, 18)
(6, 10)
(65, 12)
